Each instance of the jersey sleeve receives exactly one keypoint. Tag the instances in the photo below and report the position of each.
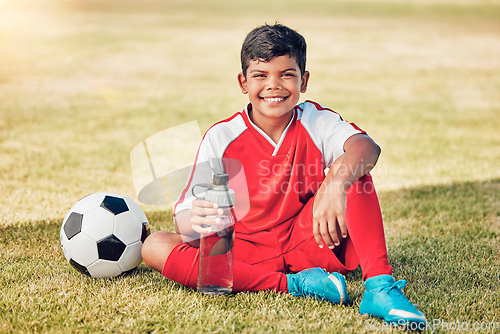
(201, 172)
(327, 130)
(209, 159)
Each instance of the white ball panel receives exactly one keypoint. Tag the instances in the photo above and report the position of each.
(104, 268)
(136, 209)
(128, 228)
(87, 203)
(98, 223)
(82, 249)
(131, 257)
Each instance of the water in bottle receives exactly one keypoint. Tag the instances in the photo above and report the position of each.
(215, 275)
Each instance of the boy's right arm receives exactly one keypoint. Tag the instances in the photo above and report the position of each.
(191, 223)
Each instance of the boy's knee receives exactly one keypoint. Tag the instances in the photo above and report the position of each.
(146, 250)
(157, 247)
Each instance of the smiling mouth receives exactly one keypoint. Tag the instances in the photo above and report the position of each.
(274, 99)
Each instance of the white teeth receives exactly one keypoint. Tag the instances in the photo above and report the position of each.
(274, 99)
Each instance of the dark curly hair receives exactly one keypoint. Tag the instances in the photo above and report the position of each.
(269, 41)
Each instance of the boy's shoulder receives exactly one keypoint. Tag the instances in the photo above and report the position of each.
(226, 129)
(314, 112)
(309, 106)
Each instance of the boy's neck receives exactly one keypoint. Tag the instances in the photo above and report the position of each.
(273, 127)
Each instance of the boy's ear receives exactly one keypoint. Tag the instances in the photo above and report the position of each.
(304, 81)
(242, 81)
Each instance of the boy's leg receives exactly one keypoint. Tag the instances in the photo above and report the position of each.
(365, 228)
(182, 267)
(383, 296)
(180, 263)
(365, 244)
(157, 247)
(166, 253)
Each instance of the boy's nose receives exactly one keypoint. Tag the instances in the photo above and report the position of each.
(273, 83)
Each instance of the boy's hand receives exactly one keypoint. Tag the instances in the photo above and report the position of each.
(328, 215)
(199, 211)
(360, 156)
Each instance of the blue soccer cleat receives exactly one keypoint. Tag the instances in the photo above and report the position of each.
(383, 298)
(319, 284)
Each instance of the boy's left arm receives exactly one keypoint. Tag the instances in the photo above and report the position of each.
(360, 156)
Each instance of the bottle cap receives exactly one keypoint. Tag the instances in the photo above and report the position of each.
(221, 179)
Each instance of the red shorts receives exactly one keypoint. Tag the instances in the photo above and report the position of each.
(290, 247)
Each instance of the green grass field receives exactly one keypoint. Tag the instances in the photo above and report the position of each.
(83, 82)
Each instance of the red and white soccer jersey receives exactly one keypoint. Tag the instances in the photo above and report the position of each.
(272, 181)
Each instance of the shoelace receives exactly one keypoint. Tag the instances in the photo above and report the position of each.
(397, 287)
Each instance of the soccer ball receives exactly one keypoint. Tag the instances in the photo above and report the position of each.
(102, 235)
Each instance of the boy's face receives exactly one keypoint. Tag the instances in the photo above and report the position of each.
(273, 87)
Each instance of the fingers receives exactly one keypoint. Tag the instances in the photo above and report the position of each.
(316, 233)
(342, 226)
(203, 224)
(329, 231)
(201, 207)
(330, 234)
(204, 214)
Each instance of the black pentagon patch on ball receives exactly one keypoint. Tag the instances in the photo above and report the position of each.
(114, 205)
(79, 267)
(145, 232)
(73, 225)
(110, 248)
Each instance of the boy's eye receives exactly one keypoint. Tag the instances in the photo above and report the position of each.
(258, 75)
(289, 74)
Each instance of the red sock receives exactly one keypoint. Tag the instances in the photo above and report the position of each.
(365, 227)
(182, 267)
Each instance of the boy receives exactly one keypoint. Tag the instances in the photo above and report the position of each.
(301, 229)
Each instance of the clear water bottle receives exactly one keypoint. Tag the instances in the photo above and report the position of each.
(215, 274)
